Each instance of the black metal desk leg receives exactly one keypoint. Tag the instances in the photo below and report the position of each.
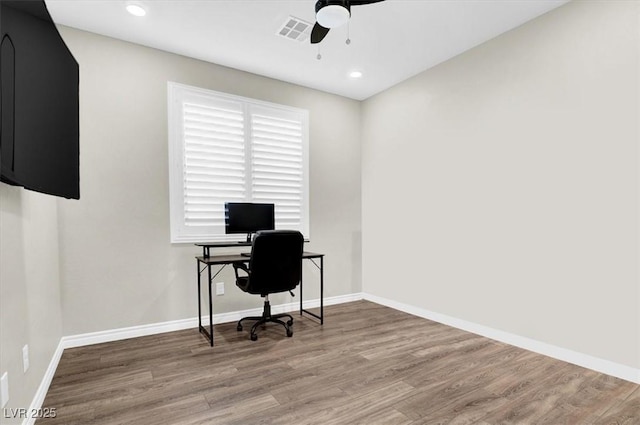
(301, 293)
(210, 305)
(199, 308)
(321, 290)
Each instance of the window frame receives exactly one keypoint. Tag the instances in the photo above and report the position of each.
(177, 94)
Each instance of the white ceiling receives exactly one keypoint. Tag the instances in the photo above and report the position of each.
(390, 41)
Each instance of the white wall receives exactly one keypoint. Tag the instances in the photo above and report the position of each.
(501, 187)
(30, 311)
(118, 267)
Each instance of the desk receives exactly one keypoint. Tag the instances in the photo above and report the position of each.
(226, 259)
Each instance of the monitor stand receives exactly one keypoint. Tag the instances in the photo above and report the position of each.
(248, 237)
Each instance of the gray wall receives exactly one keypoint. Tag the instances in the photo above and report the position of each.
(501, 187)
(30, 310)
(118, 266)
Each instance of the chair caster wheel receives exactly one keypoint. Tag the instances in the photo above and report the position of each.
(254, 337)
(239, 328)
(289, 333)
(290, 322)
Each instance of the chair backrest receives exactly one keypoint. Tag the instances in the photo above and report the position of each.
(276, 261)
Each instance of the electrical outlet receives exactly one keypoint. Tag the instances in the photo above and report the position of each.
(25, 358)
(220, 288)
(4, 389)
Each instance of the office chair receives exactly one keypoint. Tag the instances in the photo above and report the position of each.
(275, 266)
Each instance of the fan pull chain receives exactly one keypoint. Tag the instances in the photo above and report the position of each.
(348, 34)
(319, 55)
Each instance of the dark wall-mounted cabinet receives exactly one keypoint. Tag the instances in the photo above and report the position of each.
(39, 131)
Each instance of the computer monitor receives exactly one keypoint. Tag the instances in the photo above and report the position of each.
(248, 218)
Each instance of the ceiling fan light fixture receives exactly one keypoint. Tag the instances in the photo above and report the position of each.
(333, 16)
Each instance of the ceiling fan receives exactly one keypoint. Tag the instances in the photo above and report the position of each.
(332, 14)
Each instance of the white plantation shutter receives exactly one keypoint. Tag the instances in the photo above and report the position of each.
(277, 164)
(225, 148)
(214, 161)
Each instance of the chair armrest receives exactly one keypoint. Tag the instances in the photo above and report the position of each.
(242, 266)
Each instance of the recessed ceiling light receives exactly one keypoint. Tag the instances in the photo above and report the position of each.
(136, 9)
(355, 74)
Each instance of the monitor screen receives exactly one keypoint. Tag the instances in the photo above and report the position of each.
(244, 217)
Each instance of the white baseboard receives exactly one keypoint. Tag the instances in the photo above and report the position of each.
(41, 393)
(590, 362)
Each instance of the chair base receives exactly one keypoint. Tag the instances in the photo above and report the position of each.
(265, 318)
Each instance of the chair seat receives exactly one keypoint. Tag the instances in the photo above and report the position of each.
(242, 282)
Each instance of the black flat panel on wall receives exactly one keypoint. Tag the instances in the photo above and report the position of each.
(39, 144)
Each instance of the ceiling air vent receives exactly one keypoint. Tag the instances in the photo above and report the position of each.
(295, 29)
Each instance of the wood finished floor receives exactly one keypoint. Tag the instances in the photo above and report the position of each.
(368, 364)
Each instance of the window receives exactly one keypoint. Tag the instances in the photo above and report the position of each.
(225, 148)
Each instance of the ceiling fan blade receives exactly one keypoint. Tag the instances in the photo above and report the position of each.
(363, 2)
(318, 33)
